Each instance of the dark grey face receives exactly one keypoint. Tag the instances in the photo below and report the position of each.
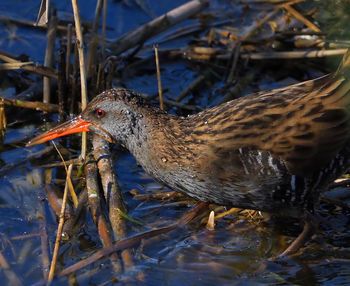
(110, 117)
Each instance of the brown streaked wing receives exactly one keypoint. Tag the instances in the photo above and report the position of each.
(306, 124)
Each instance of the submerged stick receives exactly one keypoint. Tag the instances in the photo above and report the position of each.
(132, 241)
(158, 25)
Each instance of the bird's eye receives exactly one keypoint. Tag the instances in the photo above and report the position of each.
(100, 113)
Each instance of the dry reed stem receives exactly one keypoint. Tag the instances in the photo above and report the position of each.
(70, 184)
(290, 54)
(31, 24)
(158, 196)
(28, 66)
(49, 56)
(230, 211)
(83, 83)
(36, 105)
(102, 224)
(159, 79)
(132, 241)
(14, 66)
(156, 26)
(60, 226)
(293, 2)
(301, 18)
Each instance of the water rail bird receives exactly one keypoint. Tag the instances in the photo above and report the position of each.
(273, 151)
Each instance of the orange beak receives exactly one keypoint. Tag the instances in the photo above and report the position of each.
(75, 125)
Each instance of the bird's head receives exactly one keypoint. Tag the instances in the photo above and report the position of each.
(113, 115)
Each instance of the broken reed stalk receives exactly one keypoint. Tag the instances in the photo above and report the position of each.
(132, 241)
(49, 56)
(80, 45)
(98, 216)
(211, 221)
(60, 226)
(158, 25)
(159, 79)
(112, 192)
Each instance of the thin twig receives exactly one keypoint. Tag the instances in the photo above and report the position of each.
(70, 184)
(159, 79)
(60, 227)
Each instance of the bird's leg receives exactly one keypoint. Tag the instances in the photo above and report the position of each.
(310, 227)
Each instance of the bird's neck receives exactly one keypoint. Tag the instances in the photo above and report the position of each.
(148, 134)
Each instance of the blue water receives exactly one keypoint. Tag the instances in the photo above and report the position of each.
(236, 253)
